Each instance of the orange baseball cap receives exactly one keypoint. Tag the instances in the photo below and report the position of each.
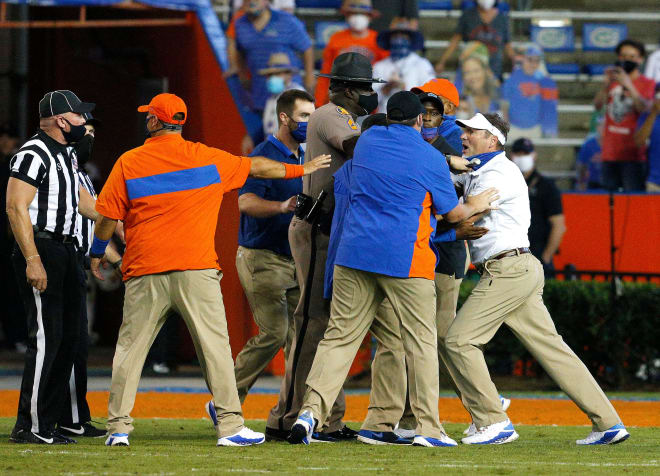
(441, 87)
(165, 106)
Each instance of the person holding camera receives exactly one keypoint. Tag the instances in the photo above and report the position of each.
(626, 94)
(264, 263)
(332, 130)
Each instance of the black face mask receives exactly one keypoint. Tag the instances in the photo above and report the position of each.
(74, 134)
(83, 149)
(368, 102)
(627, 66)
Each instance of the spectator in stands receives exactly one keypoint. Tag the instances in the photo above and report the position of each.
(478, 83)
(279, 78)
(547, 225)
(653, 66)
(395, 11)
(648, 132)
(357, 38)
(484, 23)
(529, 98)
(448, 94)
(626, 93)
(261, 32)
(589, 162)
(404, 68)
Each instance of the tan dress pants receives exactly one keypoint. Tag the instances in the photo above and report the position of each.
(269, 282)
(511, 292)
(357, 295)
(196, 296)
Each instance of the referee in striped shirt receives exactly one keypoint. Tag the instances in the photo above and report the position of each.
(43, 200)
(75, 420)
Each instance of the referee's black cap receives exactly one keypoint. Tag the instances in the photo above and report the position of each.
(61, 101)
(403, 106)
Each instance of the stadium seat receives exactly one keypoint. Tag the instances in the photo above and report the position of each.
(563, 68)
(561, 38)
(596, 69)
(318, 3)
(602, 36)
(502, 6)
(323, 30)
(436, 4)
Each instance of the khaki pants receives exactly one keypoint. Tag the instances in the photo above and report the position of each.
(309, 248)
(269, 282)
(357, 296)
(511, 292)
(196, 296)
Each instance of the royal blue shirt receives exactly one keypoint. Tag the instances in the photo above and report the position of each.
(284, 33)
(532, 101)
(398, 183)
(451, 132)
(270, 233)
(341, 188)
(589, 156)
(653, 151)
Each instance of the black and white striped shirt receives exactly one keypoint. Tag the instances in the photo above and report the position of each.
(85, 226)
(49, 166)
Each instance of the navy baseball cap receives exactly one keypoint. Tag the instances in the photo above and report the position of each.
(403, 106)
(62, 101)
(523, 145)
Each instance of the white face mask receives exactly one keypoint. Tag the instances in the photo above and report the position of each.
(486, 4)
(358, 22)
(524, 162)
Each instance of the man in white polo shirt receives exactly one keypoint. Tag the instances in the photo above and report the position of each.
(510, 292)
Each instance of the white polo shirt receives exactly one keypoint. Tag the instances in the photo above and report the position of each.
(508, 225)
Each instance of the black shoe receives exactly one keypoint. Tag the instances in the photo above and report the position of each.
(344, 434)
(68, 440)
(19, 435)
(86, 429)
(318, 437)
(273, 434)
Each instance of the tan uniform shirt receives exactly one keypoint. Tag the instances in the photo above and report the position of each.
(329, 126)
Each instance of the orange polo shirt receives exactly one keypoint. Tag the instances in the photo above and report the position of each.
(168, 194)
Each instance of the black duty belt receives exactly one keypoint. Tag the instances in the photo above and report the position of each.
(503, 254)
(49, 235)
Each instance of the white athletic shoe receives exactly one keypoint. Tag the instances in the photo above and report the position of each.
(210, 411)
(117, 439)
(403, 433)
(611, 436)
(495, 434)
(427, 441)
(245, 437)
(472, 429)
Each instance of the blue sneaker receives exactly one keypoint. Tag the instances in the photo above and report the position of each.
(117, 439)
(382, 438)
(318, 437)
(245, 437)
(444, 440)
(302, 429)
(611, 436)
(210, 411)
(495, 434)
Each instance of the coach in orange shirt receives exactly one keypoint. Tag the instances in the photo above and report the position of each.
(168, 194)
(357, 38)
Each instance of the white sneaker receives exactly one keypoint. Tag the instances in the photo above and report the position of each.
(427, 441)
(495, 434)
(611, 436)
(245, 437)
(470, 430)
(302, 429)
(506, 403)
(403, 433)
(117, 439)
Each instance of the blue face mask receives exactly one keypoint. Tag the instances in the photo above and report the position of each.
(429, 133)
(275, 84)
(300, 133)
(399, 47)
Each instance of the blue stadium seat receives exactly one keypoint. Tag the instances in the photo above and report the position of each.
(560, 38)
(501, 6)
(563, 68)
(596, 69)
(436, 4)
(323, 30)
(318, 3)
(603, 36)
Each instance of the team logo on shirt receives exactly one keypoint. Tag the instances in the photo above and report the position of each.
(621, 104)
(351, 123)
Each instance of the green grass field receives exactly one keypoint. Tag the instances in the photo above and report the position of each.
(172, 447)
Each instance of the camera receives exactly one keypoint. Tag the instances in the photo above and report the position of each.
(308, 208)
